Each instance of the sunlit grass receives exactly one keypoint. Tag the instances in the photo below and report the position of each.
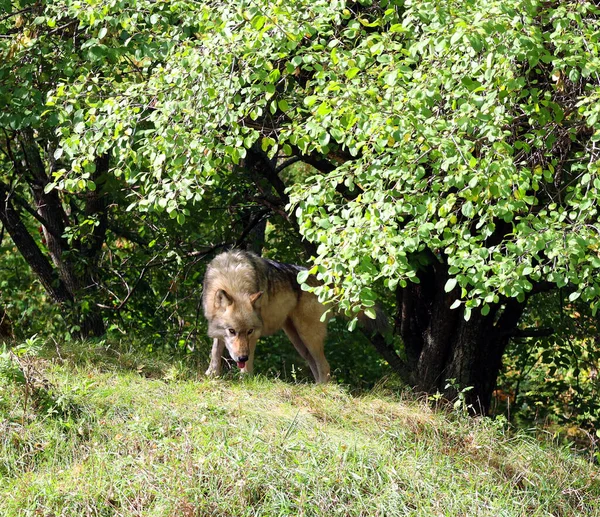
(141, 436)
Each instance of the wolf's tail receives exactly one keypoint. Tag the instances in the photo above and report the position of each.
(380, 324)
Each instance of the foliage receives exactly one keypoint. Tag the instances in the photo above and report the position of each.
(554, 379)
(474, 129)
(24, 300)
(435, 110)
(17, 368)
(457, 136)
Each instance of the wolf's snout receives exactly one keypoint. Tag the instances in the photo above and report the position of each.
(242, 358)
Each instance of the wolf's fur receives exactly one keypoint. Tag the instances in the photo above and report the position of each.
(246, 297)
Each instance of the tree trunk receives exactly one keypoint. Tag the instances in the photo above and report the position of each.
(446, 353)
(50, 208)
(92, 324)
(70, 275)
(32, 254)
(76, 263)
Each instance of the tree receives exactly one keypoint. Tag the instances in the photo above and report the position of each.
(452, 148)
(72, 227)
(74, 238)
(476, 164)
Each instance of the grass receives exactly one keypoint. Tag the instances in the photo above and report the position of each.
(129, 435)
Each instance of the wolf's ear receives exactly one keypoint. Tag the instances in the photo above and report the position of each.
(255, 299)
(222, 299)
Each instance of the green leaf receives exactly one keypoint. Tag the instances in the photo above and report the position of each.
(303, 276)
(324, 109)
(258, 22)
(467, 313)
(370, 313)
(467, 209)
(283, 105)
(450, 285)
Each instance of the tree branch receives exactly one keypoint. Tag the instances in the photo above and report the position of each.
(30, 251)
(126, 234)
(25, 206)
(287, 163)
(258, 163)
(251, 225)
(15, 13)
(129, 291)
(327, 167)
(262, 170)
(387, 351)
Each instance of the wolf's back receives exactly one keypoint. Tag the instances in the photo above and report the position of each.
(240, 272)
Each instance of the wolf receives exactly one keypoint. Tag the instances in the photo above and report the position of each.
(246, 297)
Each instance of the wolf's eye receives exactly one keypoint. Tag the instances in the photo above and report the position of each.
(232, 332)
(250, 331)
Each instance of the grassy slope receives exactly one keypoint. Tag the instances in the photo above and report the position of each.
(156, 440)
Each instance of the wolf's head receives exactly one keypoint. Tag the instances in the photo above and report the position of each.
(237, 323)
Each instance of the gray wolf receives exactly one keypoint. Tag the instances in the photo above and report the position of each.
(246, 297)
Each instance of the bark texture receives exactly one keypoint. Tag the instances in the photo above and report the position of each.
(443, 348)
(66, 268)
(27, 246)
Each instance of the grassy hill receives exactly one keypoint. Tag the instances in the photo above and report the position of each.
(111, 433)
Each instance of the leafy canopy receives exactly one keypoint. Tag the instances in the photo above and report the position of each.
(461, 132)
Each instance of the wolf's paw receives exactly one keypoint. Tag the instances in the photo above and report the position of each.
(212, 373)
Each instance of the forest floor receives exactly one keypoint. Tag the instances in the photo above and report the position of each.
(95, 431)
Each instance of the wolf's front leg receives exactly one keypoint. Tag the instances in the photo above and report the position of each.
(214, 368)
